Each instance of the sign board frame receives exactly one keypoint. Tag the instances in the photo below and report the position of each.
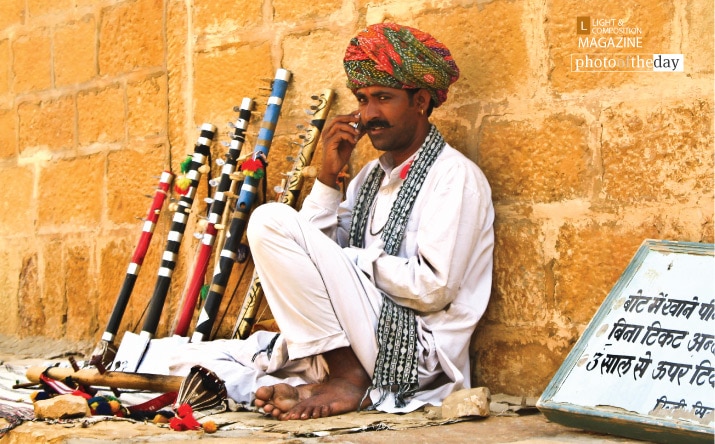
(578, 398)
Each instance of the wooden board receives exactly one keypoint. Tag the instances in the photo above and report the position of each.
(644, 366)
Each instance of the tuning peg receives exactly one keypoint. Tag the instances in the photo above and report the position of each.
(220, 162)
(242, 253)
(214, 182)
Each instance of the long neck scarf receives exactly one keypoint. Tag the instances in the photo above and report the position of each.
(396, 364)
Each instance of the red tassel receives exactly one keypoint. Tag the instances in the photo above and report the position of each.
(184, 419)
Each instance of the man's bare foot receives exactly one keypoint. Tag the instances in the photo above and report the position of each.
(343, 391)
(279, 398)
(334, 397)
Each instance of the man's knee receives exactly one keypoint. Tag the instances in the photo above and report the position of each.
(267, 218)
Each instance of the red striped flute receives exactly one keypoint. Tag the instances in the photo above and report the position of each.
(104, 353)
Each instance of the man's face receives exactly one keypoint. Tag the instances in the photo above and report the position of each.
(389, 117)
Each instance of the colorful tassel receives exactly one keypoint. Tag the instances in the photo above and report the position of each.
(253, 168)
(186, 164)
(183, 183)
(204, 292)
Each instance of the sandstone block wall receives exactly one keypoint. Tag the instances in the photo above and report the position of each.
(97, 97)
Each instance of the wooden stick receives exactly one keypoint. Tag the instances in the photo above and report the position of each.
(92, 377)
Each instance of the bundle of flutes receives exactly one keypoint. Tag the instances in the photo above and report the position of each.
(132, 349)
(252, 169)
(290, 196)
(224, 190)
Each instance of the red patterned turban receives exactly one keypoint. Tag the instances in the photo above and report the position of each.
(395, 56)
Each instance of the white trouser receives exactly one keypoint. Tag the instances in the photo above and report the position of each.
(318, 296)
(320, 300)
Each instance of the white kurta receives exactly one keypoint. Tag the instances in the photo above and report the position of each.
(324, 294)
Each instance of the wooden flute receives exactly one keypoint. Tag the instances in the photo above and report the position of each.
(290, 196)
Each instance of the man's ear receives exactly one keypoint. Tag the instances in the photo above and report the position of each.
(422, 99)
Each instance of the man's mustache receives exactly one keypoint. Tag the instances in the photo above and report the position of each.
(377, 123)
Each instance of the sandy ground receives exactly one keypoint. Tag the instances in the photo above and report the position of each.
(251, 427)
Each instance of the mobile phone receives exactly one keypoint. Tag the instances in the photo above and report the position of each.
(357, 125)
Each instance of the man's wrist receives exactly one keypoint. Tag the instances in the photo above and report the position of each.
(330, 180)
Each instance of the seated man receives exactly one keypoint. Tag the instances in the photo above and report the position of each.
(376, 296)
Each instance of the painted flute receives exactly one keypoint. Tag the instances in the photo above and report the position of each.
(290, 196)
(105, 351)
(178, 226)
(251, 169)
(225, 188)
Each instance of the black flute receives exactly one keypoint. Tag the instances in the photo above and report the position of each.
(226, 187)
